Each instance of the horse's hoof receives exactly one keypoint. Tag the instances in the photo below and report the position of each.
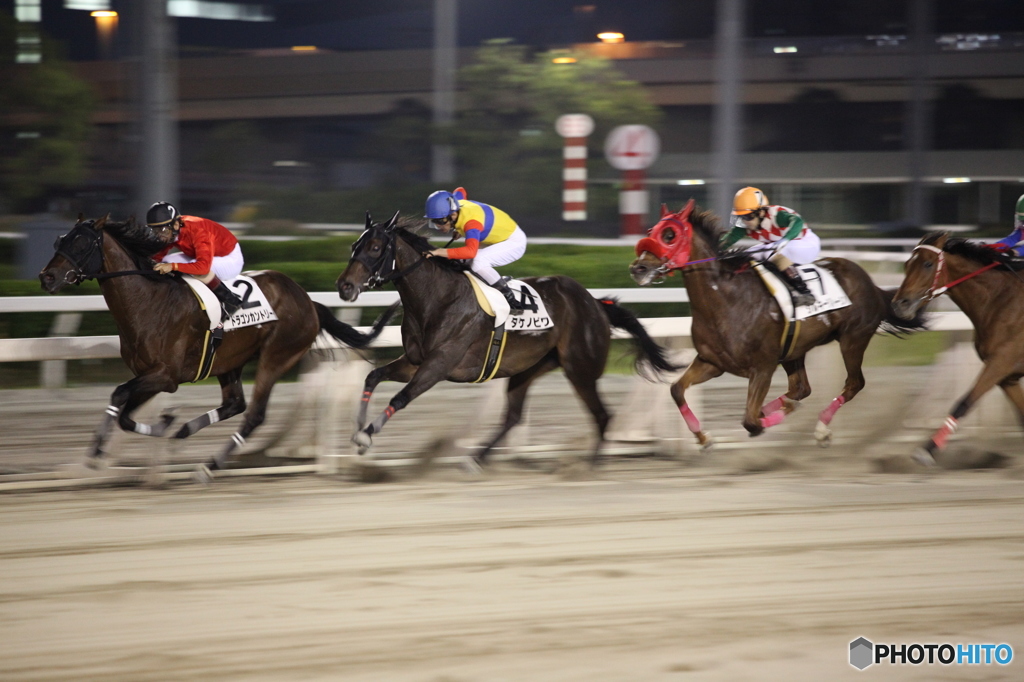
(471, 466)
(823, 435)
(707, 446)
(202, 475)
(923, 457)
(183, 432)
(362, 440)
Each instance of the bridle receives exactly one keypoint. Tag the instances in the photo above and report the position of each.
(87, 265)
(382, 268)
(935, 290)
(93, 252)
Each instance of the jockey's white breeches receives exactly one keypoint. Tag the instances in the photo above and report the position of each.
(496, 255)
(226, 267)
(801, 251)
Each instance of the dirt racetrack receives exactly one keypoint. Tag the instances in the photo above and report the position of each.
(761, 562)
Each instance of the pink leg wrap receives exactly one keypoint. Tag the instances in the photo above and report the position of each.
(943, 434)
(773, 406)
(830, 411)
(774, 419)
(690, 418)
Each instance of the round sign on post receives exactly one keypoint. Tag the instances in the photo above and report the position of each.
(631, 149)
(574, 128)
(574, 125)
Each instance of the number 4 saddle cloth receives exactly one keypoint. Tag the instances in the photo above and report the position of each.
(255, 306)
(535, 314)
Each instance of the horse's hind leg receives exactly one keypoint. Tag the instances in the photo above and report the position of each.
(518, 385)
(232, 403)
(852, 349)
(698, 372)
(585, 383)
(1011, 387)
(799, 388)
(127, 398)
(269, 370)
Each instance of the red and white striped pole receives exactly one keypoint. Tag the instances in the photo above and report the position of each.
(633, 201)
(631, 149)
(574, 179)
(574, 128)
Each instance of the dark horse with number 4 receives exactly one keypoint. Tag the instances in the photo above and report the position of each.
(987, 285)
(738, 326)
(446, 334)
(163, 330)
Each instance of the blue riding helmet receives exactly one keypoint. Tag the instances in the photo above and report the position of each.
(441, 204)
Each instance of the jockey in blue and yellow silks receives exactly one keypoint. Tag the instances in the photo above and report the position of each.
(492, 237)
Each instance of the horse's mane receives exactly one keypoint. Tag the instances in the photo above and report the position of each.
(407, 231)
(709, 227)
(138, 240)
(975, 251)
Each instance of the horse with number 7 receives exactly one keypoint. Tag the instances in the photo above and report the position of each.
(738, 326)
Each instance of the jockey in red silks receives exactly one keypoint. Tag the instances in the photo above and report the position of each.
(208, 251)
(492, 237)
(781, 231)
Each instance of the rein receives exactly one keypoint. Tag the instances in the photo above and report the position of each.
(122, 273)
(377, 277)
(935, 292)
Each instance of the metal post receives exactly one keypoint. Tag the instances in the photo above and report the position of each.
(917, 129)
(158, 153)
(728, 130)
(442, 166)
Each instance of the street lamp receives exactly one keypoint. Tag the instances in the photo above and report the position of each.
(106, 27)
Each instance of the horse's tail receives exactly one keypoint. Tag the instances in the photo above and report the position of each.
(649, 353)
(894, 324)
(349, 335)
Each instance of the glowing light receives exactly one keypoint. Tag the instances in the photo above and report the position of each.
(303, 48)
(106, 13)
(564, 60)
(611, 37)
(955, 181)
(785, 50)
(689, 182)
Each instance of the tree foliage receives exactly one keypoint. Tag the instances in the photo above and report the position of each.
(45, 121)
(507, 150)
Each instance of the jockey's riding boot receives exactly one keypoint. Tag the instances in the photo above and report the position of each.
(229, 301)
(515, 305)
(803, 294)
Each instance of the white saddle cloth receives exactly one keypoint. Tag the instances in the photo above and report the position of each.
(534, 317)
(820, 281)
(255, 306)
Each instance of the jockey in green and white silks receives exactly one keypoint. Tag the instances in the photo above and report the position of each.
(784, 237)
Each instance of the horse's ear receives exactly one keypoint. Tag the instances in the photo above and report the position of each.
(664, 210)
(941, 241)
(98, 225)
(369, 221)
(687, 210)
(81, 217)
(392, 222)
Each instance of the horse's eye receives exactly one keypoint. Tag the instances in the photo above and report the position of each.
(375, 248)
(668, 235)
(928, 265)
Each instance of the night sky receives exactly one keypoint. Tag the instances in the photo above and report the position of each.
(398, 24)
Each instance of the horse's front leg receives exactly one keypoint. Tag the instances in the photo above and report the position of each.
(435, 368)
(396, 370)
(993, 373)
(127, 398)
(698, 372)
